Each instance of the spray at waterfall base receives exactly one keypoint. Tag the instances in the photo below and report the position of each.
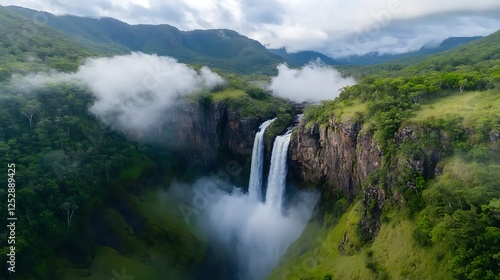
(253, 231)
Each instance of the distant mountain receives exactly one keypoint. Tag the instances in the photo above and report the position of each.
(26, 45)
(406, 58)
(483, 53)
(220, 48)
(303, 57)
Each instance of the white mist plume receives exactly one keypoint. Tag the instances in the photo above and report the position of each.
(311, 83)
(132, 90)
(256, 235)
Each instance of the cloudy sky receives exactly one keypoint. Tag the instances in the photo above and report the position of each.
(336, 27)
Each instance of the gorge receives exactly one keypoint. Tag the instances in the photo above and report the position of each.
(136, 165)
(253, 231)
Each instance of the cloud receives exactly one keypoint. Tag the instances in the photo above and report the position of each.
(312, 83)
(132, 91)
(253, 234)
(31, 82)
(330, 26)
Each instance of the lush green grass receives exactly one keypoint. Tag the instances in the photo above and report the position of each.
(350, 111)
(343, 111)
(473, 107)
(229, 94)
(264, 106)
(392, 255)
(316, 253)
(397, 255)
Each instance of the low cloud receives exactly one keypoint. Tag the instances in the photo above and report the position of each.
(132, 91)
(311, 83)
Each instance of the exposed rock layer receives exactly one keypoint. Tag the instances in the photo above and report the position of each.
(338, 155)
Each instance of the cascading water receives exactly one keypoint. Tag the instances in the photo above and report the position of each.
(276, 183)
(255, 184)
(254, 235)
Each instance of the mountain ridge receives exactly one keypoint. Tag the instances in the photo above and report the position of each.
(222, 49)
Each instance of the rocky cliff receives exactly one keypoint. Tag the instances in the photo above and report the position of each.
(209, 134)
(339, 155)
(342, 155)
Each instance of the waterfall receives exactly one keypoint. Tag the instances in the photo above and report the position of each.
(276, 183)
(255, 185)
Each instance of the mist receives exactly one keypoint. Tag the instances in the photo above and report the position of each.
(132, 91)
(312, 83)
(254, 234)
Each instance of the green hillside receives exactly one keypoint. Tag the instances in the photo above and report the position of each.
(406, 58)
(444, 226)
(29, 45)
(221, 49)
(478, 57)
(303, 57)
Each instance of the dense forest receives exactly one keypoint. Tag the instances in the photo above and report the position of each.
(449, 106)
(88, 194)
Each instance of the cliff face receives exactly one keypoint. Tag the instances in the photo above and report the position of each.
(336, 156)
(341, 155)
(209, 134)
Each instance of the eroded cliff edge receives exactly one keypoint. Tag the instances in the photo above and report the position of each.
(339, 155)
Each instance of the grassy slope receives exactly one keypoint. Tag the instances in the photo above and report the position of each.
(473, 107)
(393, 254)
(248, 106)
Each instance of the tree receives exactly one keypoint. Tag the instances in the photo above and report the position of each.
(70, 210)
(29, 111)
(462, 84)
(4, 74)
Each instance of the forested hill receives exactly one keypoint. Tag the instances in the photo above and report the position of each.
(28, 45)
(478, 56)
(430, 209)
(303, 57)
(221, 48)
(406, 58)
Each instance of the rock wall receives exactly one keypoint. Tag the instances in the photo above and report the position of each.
(208, 134)
(338, 155)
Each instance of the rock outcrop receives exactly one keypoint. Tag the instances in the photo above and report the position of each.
(209, 134)
(339, 155)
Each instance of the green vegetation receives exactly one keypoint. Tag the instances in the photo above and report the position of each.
(248, 106)
(476, 108)
(71, 175)
(88, 191)
(89, 194)
(437, 125)
(248, 99)
(220, 49)
(29, 45)
(352, 62)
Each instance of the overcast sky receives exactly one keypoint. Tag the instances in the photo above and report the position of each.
(335, 27)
